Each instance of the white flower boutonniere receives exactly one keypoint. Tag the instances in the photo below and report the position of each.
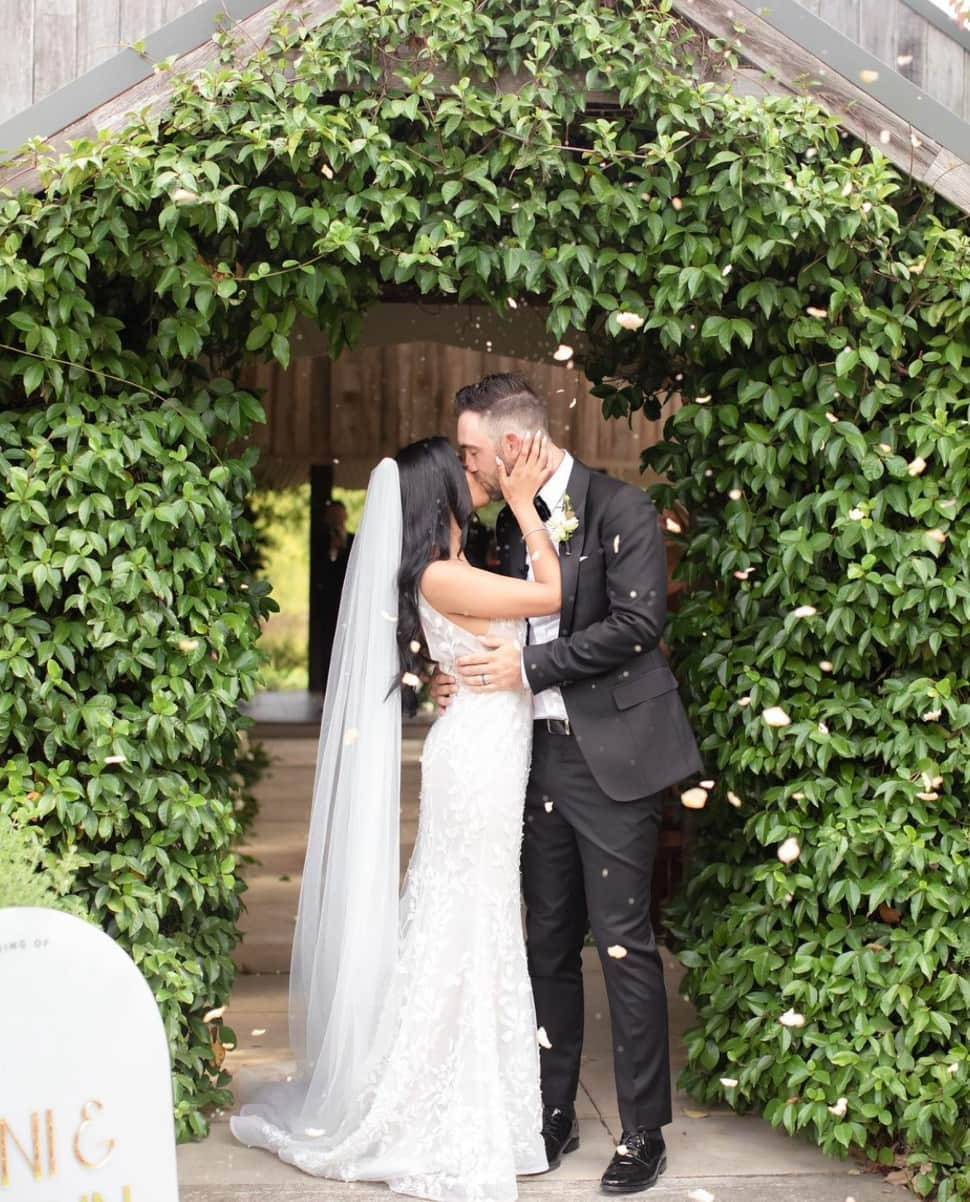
(563, 525)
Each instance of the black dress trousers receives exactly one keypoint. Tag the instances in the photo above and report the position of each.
(590, 859)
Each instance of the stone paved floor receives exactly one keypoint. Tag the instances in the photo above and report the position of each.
(738, 1159)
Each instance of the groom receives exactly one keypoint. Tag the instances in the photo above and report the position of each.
(610, 734)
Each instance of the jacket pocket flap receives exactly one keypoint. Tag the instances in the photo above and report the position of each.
(651, 684)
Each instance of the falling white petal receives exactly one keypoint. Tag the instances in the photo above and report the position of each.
(734, 799)
(840, 1108)
(701, 1195)
(804, 611)
(562, 353)
(791, 1018)
(210, 1016)
(729, 1082)
(789, 851)
(351, 735)
(629, 321)
(694, 799)
(774, 715)
(542, 1038)
(617, 951)
(412, 681)
(917, 466)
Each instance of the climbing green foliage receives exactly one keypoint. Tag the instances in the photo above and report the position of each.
(807, 302)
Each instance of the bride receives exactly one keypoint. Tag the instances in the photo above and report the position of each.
(411, 1017)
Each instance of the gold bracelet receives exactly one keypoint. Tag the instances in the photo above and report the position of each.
(535, 531)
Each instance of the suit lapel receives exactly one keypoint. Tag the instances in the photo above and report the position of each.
(511, 550)
(571, 551)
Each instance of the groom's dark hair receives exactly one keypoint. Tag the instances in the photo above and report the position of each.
(503, 398)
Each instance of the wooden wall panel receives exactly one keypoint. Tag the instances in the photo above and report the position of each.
(17, 57)
(48, 43)
(371, 402)
(905, 41)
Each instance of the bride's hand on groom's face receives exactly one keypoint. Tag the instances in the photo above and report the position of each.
(442, 689)
(498, 670)
(528, 473)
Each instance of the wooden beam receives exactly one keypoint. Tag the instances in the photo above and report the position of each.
(151, 95)
(787, 62)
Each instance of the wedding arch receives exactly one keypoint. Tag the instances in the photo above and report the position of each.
(806, 299)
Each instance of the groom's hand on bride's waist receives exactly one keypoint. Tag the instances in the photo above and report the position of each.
(497, 670)
(443, 688)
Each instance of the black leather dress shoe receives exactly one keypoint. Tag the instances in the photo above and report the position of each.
(640, 1158)
(560, 1131)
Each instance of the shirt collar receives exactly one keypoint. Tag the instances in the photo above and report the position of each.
(554, 489)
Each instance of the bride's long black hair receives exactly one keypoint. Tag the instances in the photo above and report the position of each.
(433, 490)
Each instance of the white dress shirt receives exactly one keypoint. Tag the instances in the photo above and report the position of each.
(549, 703)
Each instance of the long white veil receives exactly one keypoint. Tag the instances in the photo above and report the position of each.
(345, 943)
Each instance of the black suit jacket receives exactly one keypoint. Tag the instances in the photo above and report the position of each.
(620, 694)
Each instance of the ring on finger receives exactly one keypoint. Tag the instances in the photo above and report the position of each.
(484, 680)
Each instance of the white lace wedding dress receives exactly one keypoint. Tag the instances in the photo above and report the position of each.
(452, 1109)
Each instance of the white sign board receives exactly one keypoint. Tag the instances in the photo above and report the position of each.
(85, 1085)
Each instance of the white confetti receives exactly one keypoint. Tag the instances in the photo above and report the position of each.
(743, 702)
(549, 806)
(184, 196)
(791, 1018)
(415, 646)
(617, 951)
(734, 800)
(840, 1108)
(701, 1195)
(629, 321)
(616, 544)
(743, 573)
(702, 400)
(825, 665)
(885, 137)
(774, 715)
(116, 759)
(789, 851)
(351, 735)
(411, 681)
(258, 1031)
(804, 611)
(735, 494)
(867, 75)
(210, 1016)
(673, 525)
(542, 1038)
(729, 1082)
(562, 353)
(694, 799)
(814, 311)
(856, 514)
(916, 467)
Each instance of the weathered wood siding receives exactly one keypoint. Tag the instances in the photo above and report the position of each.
(370, 402)
(905, 41)
(48, 43)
